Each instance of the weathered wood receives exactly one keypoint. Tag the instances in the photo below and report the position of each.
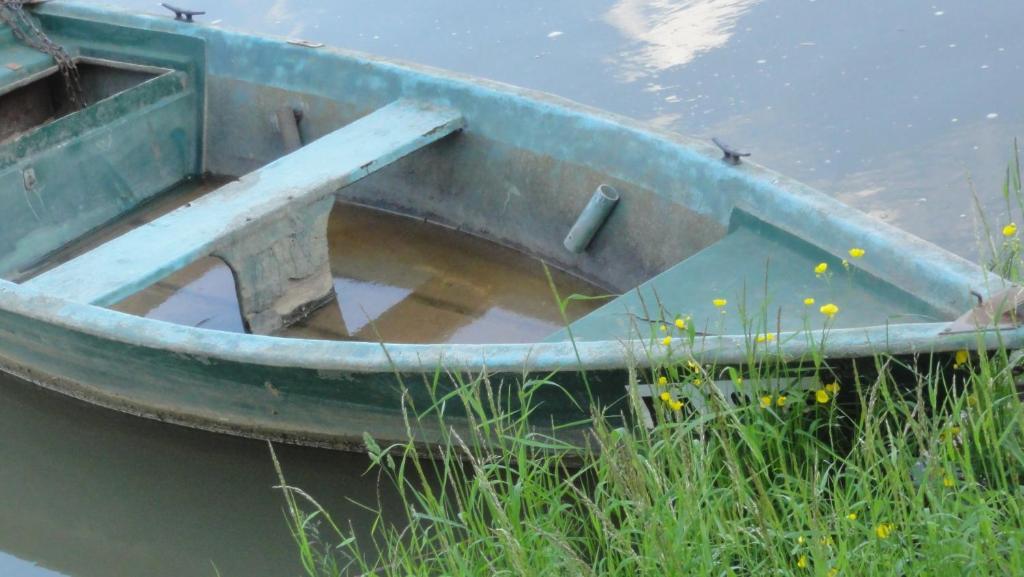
(277, 207)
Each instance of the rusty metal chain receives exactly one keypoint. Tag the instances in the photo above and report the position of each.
(25, 29)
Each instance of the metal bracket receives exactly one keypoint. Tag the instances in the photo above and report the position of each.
(29, 178)
(306, 43)
(183, 14)
(1001, 310)
(730, 154)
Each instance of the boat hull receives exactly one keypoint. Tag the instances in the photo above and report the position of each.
(518, 173)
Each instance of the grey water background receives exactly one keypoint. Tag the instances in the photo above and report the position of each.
(892, 106)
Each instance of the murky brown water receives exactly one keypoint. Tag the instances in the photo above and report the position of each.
(397, 280)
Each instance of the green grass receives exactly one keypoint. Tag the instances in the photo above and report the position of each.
(915, 467)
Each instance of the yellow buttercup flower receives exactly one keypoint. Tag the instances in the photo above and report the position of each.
(693, 366)
(809, 301)
(852, 516)
(680, 324)
(821, 395)
(829, 310)
(662, 381)
(675, 405)
(665, 396)
(1010, 229)
(765, 338)
(833, 572)
(719, 303)
(832, 388)
(766, 401)
(961, 359)
(821, 269)
(856, 252)
(802, 562)
(666, 341)
(800, 540)
(948, 481)
(884, 530)
(781, 401)
(697, 382)
(663, 328)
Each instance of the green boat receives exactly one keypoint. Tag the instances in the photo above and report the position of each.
(103, 111)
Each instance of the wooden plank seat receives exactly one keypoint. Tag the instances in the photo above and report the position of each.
(270, 226)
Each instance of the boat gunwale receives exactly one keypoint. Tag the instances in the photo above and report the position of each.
(370, 357)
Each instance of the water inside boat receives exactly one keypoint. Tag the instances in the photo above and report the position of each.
(396, 279)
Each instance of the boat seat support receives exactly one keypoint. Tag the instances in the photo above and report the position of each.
(283, 273)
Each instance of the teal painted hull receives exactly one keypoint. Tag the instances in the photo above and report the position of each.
(519, 171)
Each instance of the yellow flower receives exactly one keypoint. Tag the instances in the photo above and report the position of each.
(829, 310)
(856, 252)
(662, 381)
(663, 328)
(693, 366)
(802, 562)
(800, 540)
(765, 338)
(719, 303)
(948, 481)
(821, 395)
(680, 324)
(961, 359)
(884, 530)
(1010, 229)
(832, 388)
(809, 301)
(697, 382)
(766, 401)
(852, 516)
(833, 572)
(675, 405)
(665, 396)
(666, 341)
(821, 269)
(781, 401)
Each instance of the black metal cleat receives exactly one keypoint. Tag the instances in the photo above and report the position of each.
(182, 13)
(729, 154)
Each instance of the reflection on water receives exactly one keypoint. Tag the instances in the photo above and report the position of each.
(671, 33)
(397, 280)
(89, 492)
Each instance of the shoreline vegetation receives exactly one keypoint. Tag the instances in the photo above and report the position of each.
(882, 466)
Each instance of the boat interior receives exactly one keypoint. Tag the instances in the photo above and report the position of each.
(198, 150)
